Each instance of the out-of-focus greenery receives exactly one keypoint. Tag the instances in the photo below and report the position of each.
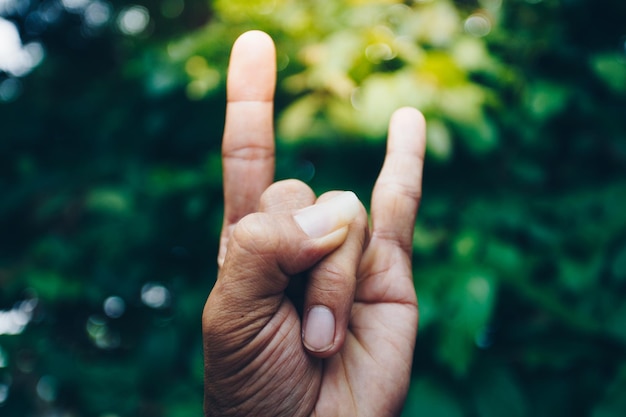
(110, 191)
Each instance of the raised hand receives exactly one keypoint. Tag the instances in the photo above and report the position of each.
(350, 354)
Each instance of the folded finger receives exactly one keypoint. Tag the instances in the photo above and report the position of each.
(331, 287)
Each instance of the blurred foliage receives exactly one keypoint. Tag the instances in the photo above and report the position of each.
(110, 202)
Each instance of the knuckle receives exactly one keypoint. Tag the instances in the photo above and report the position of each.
(286, 194)
(332, 277)
(400, 189)
(288, 185)
(249, 152)
(254, 235)
(361, 218)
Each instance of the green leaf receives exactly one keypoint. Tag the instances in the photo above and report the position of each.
(497, 393)
(427, 398)
(470, 301)
(611, 69)
(53, 286)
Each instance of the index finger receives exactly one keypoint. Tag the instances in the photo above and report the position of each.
(248, 143)
(397, 193)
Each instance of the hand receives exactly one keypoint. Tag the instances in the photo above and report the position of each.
(351, 354)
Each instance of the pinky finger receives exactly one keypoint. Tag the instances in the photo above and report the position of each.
(398, 189)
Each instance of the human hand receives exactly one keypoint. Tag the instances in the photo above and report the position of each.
(351, 354)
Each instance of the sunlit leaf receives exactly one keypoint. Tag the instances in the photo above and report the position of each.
(611, 69)
(297, 120)
(546, 99)
(109, 200)
(52, 286)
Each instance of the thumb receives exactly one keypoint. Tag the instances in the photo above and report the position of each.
(264, 251)
(267, 246)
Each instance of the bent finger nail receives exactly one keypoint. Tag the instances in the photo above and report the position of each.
(319, 330)
(324, 218)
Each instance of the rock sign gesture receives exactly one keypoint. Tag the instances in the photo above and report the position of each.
(351, 352)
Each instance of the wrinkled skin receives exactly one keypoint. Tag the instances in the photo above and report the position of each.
(257, 360)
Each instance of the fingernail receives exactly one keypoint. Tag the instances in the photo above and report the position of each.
(319, 331)
(324, 218)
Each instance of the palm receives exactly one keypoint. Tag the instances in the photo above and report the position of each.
(369, 375)
(370, 371)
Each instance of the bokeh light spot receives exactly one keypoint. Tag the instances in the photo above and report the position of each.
(10, 89)
(356, 98)
(282, 61)
(50, 12)
(4, 393)
(196, 66)
(47, 388)
(75, 5)
(100, 333)
(155, 295)
(16, 59)
(94, 325)
(378, 52)
(97, 14)
(8, 6)
(114, 307)
(14, 321)
(133, 20)
(478, 25)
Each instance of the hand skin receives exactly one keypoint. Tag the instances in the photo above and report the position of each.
(351, 353)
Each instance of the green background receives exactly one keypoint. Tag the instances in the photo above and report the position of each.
(111, 204)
